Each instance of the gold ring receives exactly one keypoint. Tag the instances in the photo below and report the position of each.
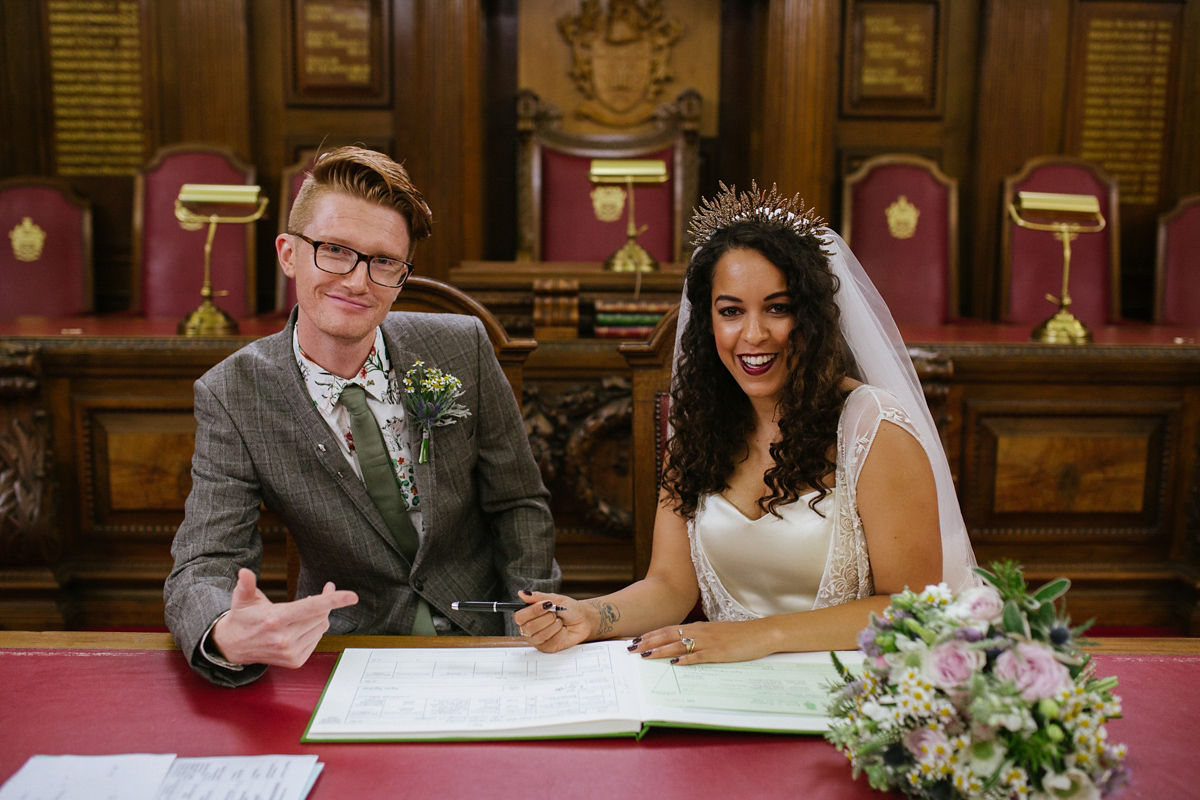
(689, 644)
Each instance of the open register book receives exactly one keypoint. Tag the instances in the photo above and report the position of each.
(595, 689)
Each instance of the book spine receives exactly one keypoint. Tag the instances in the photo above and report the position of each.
(633, 307)
(623, 331)
(626, 318)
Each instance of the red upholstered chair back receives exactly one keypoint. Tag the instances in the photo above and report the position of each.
(46, 252)
(900, 216)
(168, 261)
(1178, 278)
(293, 178)
(1032, 261)
(557, 221)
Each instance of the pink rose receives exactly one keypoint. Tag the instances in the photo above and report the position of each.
(981, 603)
(923, 743)
(1035, 670)
(950, 664)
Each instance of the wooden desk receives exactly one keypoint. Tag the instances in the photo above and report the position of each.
(92, 694)
(1078, 461)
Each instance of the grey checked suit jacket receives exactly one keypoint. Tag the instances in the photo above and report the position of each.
(487, 525)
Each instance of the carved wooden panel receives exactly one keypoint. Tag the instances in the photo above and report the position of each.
(134, 461)
(27, 532)
(1071, 467)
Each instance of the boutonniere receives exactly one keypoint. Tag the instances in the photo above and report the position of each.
(431, 394)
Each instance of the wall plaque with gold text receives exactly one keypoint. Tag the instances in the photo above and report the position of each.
(96, 81)
(1123, 90)
(893, 54)
(337, 52)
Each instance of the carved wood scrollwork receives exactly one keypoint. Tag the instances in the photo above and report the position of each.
(26, 535)
(580, 440)
(934, 370)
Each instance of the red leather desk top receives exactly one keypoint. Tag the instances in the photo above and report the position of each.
(127, 701)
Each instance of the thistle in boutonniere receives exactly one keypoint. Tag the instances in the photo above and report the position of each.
(980, 695)
(431, 394)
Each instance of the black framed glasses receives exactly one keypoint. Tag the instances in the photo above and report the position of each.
(338, 259)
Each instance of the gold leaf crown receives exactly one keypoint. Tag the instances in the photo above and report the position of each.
(757, 205)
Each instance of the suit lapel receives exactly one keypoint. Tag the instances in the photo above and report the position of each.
(402, 346)
(299, 407)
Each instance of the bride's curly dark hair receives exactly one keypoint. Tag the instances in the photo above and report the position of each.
(711, 415)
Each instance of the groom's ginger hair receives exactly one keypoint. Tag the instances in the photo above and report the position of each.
(366, 174)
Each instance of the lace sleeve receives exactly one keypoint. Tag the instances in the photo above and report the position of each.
(847, 573)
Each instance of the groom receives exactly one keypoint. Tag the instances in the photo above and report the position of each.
(312, 423)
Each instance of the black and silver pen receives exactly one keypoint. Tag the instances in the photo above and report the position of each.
(497, 607)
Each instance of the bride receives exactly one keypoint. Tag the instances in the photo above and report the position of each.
(804, 480)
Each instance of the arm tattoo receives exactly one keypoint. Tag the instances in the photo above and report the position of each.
(609, 614)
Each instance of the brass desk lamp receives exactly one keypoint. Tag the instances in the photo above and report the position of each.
(631, 257)
(207, 319)
(1066, 216)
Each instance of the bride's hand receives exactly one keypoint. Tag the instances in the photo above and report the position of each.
(549, 630)
(710, 642)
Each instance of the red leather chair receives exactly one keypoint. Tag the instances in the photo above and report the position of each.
(900, 216)
(1178, 267)
(46, 255)
(293, 177)
(556, 220)
(168, 261)
(1031, 261)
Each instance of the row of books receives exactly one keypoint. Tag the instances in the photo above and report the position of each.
(628, 319)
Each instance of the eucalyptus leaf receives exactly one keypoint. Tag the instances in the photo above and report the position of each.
(1014, 621)
(1052, 590)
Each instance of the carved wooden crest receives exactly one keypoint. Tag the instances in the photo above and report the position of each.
(620, 58)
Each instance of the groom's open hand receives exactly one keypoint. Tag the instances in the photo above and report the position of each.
(257, 631)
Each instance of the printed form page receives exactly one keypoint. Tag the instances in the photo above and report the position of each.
(450, 693)
(782, 692)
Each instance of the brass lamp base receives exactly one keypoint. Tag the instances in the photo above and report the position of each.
(1062, 328)
(632, 257)
(207, 320)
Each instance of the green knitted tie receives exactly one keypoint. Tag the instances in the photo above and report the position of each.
(384, 490)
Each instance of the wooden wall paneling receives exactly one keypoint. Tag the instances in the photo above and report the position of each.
(1019, 114)
(439, 125)
(800, 101)
(24, 91)
(743, 32)
(204, 64)
(500, 129)
(1184, 177)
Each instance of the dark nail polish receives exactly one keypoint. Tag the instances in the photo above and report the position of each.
(632, 647)
(675, 660)
(646, 653)
(524, 591)
(637, 640)
(549, 604)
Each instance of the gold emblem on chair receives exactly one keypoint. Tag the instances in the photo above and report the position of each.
(27, 240)
(608, 202)
(620, 59)
(902, 218)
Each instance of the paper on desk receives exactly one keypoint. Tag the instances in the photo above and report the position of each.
(124, 777)
(251, 777)
(162, 777)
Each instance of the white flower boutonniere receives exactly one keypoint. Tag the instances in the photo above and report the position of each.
(431, 394)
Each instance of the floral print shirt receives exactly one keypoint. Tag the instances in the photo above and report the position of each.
(385, 398)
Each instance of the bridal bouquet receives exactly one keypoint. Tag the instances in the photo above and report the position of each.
(983, 695)
(431, 394)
